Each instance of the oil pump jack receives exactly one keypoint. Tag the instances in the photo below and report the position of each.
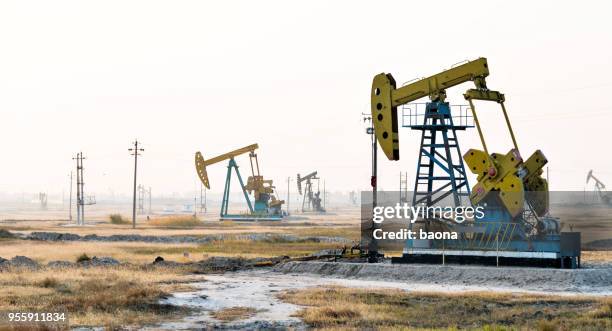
(311, 200)
(600, 187)
(515, 226)
(265, 206)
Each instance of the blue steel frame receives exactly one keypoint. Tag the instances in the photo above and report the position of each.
(438, 119)
(226, 190)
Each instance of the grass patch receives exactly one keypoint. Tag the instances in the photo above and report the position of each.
(83, 258)
(118, 219)
(234, 313)
(188, 221)
(349, 308)
(110, 297)
(48, 282)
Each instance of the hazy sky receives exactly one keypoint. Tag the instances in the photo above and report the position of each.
(292, 76)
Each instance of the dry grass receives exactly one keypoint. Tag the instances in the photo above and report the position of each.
(118, 219)
(188, 221)
(99, 296)
(234, 313)
(347, 308)
(596, 256)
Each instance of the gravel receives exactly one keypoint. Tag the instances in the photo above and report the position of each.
(23, 261)
(104, 261)
(592, 281)
(18, 262)
(61, 264)
(6, 234)
(259, 325)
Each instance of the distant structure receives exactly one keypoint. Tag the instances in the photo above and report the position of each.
(312, 200)
(203, 207)
(600, 188)
(81, 200)
(144, 198)
(353, 197)
(70, 200)
(42, 197)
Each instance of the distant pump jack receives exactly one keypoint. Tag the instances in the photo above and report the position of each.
(311, 200)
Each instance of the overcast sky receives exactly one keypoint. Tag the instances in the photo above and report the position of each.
(292, 76)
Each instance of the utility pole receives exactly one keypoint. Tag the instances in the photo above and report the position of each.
(288, 194)
(70, 200)
(135, 151)
(82, 194)
(80, 200)
(373, 249)
(78, 190)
